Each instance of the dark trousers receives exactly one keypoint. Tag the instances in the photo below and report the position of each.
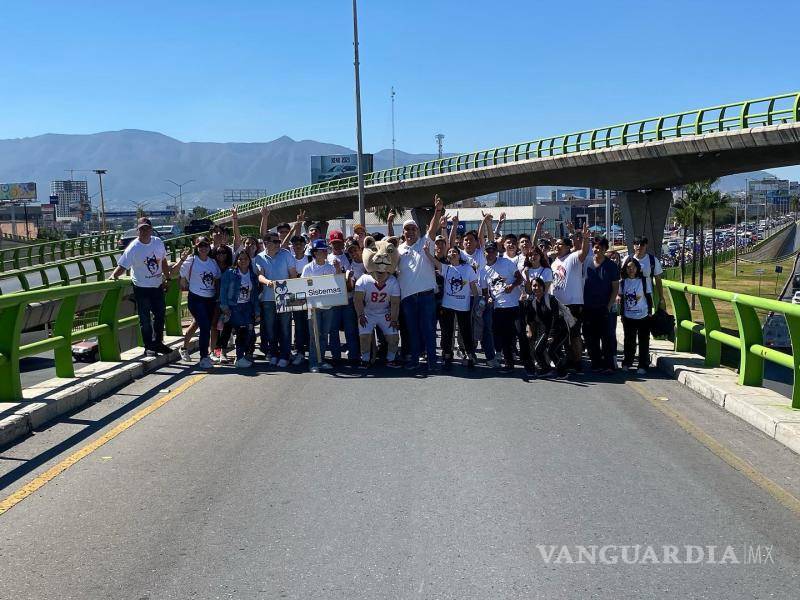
(419, 312)
(575, 340)
(447, 320)
(636, 330)
(552, 348)
(276, 331)
(507, 331)
(150, 301)
(202, 310)
(242, 319)
(600, 340)
(300, 319)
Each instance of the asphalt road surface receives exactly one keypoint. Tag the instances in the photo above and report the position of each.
(279, 485)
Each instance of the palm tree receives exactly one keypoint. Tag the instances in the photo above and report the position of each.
(718, 202)
(382, 212)
(683, 216)
(700, 197)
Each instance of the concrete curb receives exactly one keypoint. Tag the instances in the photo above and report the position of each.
(764, 409)
(49, 399)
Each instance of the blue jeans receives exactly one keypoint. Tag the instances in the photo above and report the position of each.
(419, 312)
(150, 300)
(202, 310)
(344, 317)
(276, 331)
(300, 319)
(324, 318)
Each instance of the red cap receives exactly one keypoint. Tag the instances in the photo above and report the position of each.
(335, 236)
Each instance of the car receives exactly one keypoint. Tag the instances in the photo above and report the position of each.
(338, 172)
(86, 351)
(129, 236)
(796, 297)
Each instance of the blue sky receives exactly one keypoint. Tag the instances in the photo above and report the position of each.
(482, 73)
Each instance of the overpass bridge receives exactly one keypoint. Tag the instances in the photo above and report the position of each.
(649, 154)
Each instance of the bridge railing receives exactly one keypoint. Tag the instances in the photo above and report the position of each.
(749, 341)
(67, 329)
(32, 254)
(760, 112)
(89, 267)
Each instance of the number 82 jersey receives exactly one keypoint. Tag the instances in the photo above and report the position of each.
(376, 298)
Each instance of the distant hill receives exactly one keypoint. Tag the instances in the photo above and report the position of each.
(139, 161)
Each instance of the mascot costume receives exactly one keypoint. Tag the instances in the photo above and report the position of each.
(377, 298)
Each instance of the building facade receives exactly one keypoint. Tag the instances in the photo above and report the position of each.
(73, 200)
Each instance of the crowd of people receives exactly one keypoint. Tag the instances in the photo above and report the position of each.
(527, 299)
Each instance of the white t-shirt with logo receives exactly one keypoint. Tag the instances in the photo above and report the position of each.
(634, 301)
(496, 277)
(568, 279)
(377, 298)
(144, 261)
(545, 273)
(299, 263)
(477, 259)
(416, 272)
(201, 275)
(644, 262)
(458, 286)
(245, 288)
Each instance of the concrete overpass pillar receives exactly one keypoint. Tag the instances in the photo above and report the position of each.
(422, 216)
(645, 213)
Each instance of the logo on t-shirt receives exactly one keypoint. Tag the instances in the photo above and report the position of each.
(560, 277)
(151, 262)
(632, 299)
(207, 278)
(244, 293)
(498, 284)
(456, 284)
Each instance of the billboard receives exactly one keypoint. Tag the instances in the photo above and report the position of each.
(338, 166)
(13, 192)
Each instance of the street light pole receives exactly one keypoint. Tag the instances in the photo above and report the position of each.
(179, 205)
(359, 147)
(100, 173)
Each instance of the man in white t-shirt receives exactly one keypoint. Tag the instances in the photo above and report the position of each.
(501, 283)
(417, 278)
(568, 286)
(651, 268)
(146, 257)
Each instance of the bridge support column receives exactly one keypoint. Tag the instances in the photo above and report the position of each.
(645, 214)
(422, 216)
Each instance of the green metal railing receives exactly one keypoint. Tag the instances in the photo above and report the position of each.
(57, 273)
(774, 110)
(64, 333)
(749, 342)
(33, 254)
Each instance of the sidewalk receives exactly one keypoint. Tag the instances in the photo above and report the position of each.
(49, 399)
(765, 409)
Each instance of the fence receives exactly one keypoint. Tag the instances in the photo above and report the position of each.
(64, 333)
(33, 254)
(749, 342)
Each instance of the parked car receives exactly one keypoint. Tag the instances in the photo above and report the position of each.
(86, 351)
(129, 236)
(796, 297)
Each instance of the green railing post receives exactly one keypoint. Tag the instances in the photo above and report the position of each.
(793, 324)
(751, 366)
(711, 323)
(63, 327)
(172, 320)
(108, 341)
(680, 306)
(11, 326)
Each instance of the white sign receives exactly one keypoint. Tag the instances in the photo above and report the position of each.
(321, 291)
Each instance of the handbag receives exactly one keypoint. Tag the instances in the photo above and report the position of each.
(662, 324)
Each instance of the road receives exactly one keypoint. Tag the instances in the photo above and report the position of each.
(345, 485)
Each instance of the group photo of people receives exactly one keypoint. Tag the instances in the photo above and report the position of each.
(420, 298)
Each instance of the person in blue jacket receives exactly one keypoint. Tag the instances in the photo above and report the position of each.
(238, 301)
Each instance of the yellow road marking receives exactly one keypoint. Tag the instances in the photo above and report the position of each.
(780, 494)
(65, 464)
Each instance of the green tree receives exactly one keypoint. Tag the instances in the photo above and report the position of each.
(382, 212)
(199, 212)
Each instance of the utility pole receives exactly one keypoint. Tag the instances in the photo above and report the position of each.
(100, 173)
(179, 204)
(359, 146)
(735, 239)
(439, 141)
(609, 235)
(393, 140)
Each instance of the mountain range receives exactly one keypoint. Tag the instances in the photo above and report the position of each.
(139, 163)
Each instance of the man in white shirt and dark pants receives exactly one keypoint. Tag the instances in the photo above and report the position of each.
(146, 257)
(417, 278)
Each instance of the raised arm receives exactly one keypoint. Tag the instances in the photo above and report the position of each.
(295, 230)
(585, 245)
(451, 240)
(176, 268)
(390, 223)
(498, 230)
(537, 232)
(237, 235)
(264, 227)
(438, 209)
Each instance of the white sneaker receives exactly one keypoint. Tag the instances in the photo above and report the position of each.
(297, 360)
(326, 366)
(273, 361)
(205, 363)
(243, 363)
(283, 363)
(641, 371)
(314, 370)
(184, 352)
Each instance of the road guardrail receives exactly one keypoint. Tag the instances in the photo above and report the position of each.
(33, 254)
(749, 342)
